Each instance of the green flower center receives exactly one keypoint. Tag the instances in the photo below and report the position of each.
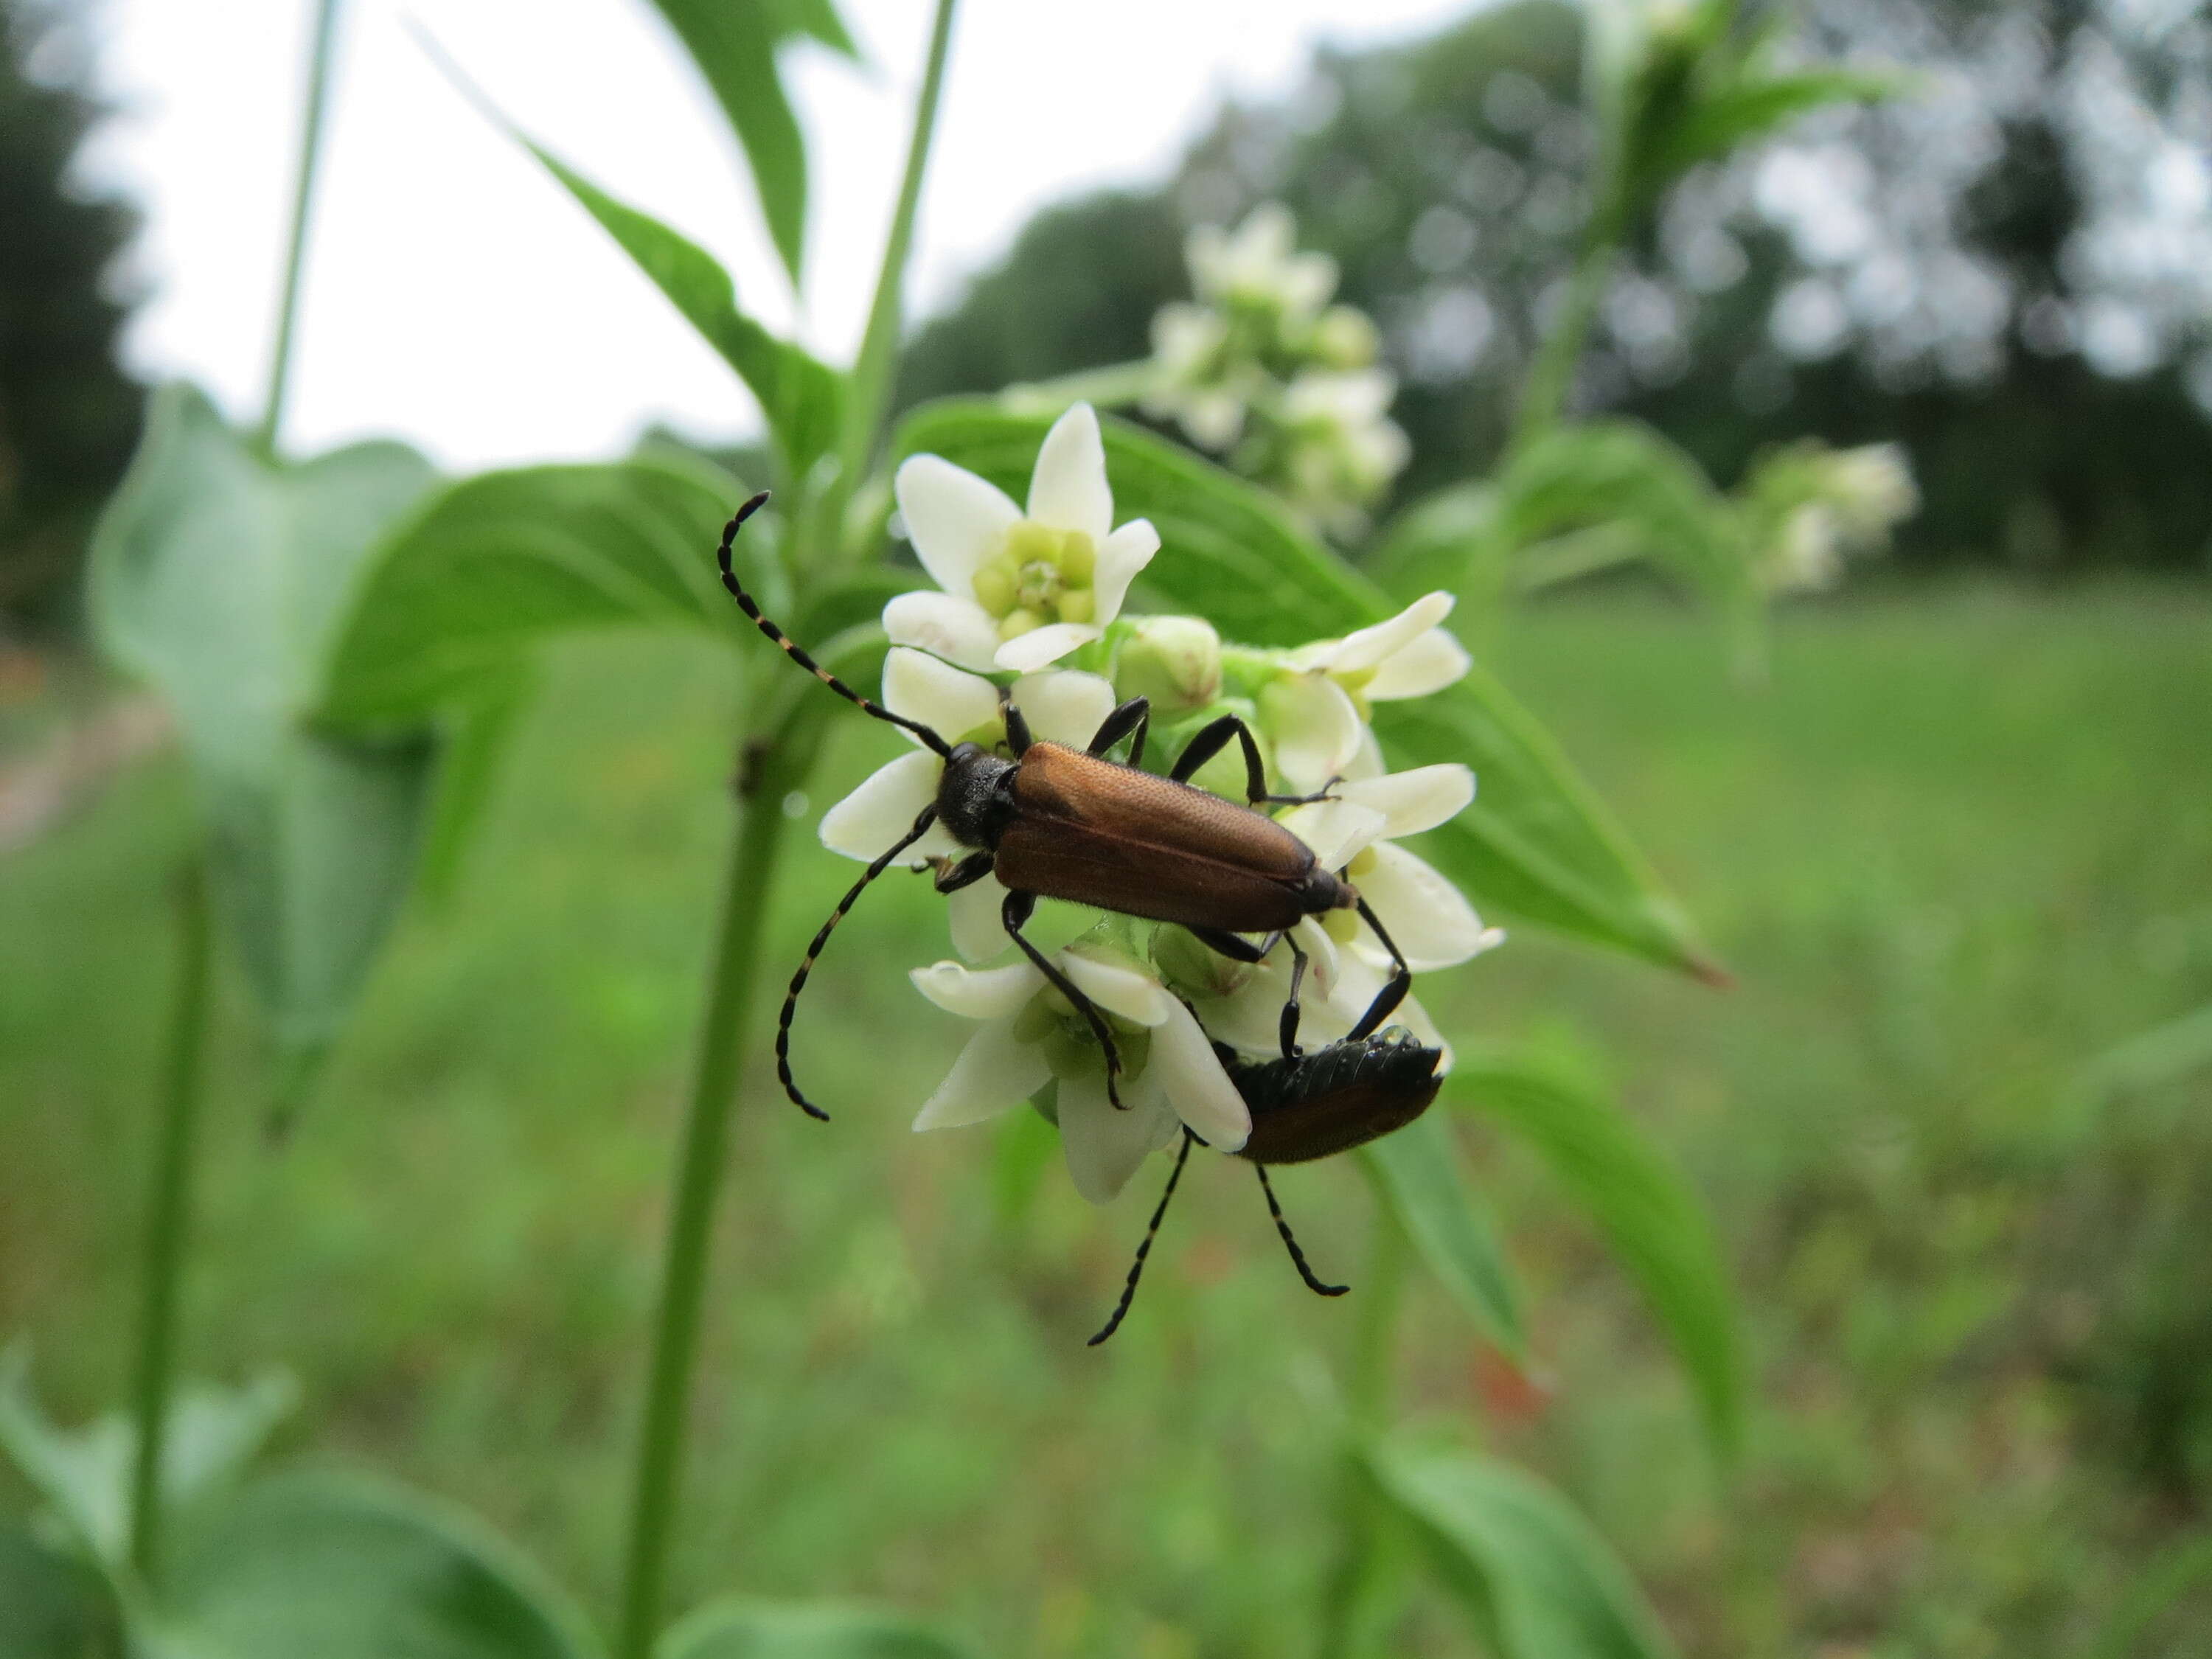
(1041, 575)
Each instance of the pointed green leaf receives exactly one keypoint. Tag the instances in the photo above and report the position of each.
(50, 1607)
(1418, 1173)
(743, 1629)
(346, 1568)
(1537, 845)
(1641, 1202)
(213, 1433)
(1534, 1576)
(222, 577)
(735, 43)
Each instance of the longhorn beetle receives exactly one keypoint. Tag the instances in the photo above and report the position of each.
(1068, 824)
(1311, 1107)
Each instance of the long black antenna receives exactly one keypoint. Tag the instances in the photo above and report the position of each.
(792, 648)
(798, 980)
(1151, 1232)
(1297, 1255)
(1387, 998)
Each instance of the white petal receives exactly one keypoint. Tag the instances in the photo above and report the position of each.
(992, 994)
(1320, 952)
(1069, 489)
(1120, 557)
(994, 1074)
(948, 700)
(1431, 922)
(1369, 648)
(1314, 726)
(955, 520)
(947, 625)
(1042, 646)
(1368, 762)
(1118, 988)
(1416, 800)
(885, 807)
(1104, 1146)
(974, 912)
(1064, 706)
(1415, 1018)
(1432, 661)
(1338, 831)
(1197, 1087)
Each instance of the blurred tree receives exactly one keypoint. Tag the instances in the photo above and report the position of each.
(2011, 269)
(68, 418)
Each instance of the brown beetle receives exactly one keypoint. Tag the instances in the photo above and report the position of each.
(1069, 823)
(1310, 1107)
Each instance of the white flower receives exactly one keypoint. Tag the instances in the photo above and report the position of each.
(1258, 264)
(1196, 386)
(1314, 715)
(1030, 1036)
(1872, 489)
(1427, 917)
(1248, 1018)
(1020, 591)
(1343, 449)
(1060, 705)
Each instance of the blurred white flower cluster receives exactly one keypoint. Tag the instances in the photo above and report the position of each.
(1034, 597)
(1263, 370)
(1811, 507)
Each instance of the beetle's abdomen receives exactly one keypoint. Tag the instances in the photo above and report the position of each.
(1337, 1097)
(1095, 833)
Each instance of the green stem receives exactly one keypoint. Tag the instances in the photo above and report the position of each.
(1347, 1609)
(321, 52)
(1545, 395)
(168, 1212)
(870, 388)
(735, 983)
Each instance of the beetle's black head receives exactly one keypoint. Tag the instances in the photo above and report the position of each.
(975, 796)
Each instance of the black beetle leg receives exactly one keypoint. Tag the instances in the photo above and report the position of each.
(1297, 1255)
(1134, 715)
(951, 877)
(1212, 738)
(1137, 1267)
(1387, 998)
(1017, 910)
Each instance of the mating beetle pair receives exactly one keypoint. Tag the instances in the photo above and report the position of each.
(1055, 822)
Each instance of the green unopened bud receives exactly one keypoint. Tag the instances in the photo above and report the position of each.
(1345, 338)
(1174, 660)
(1194, 969)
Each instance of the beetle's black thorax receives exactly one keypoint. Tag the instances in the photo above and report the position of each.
(975, 796)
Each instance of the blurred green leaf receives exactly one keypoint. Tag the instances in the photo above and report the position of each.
(1534, 1577)
(1418, 1172)
(1536, 843)
(2154, 1591)
(1441, 541)
(50, 1607)
(1641, 1202)
(222, 577)
(741, 1629)
(734, 43)
(213, 1432)
(464, 596)
(1749, 109)
(344, 1568)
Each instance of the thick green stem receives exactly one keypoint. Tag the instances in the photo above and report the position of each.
(320, 55)
(1545, 396)
(730, 999)
(168, 1212)
(870, 388)
(1347, 1610)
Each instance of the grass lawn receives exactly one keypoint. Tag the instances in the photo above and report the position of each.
(1958, 846)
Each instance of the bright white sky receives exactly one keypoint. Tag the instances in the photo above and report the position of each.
(456, 297)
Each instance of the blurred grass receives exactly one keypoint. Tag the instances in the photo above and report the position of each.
(1957, 848)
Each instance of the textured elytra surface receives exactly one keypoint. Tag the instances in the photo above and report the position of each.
(1337, 1097)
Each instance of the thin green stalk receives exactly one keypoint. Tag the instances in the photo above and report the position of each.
(869, 389)
(1553, 372)
(321, 52)
(1346, 1609)
(735, 983)
(167, 1213)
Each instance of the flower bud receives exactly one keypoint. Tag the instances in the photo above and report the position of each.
(1345, 338)
(1175, 661)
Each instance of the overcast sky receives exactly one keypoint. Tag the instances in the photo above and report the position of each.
(456, 297)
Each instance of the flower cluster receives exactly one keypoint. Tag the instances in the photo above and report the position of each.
(1811, 506)
(1262, 369)
(1036, 598)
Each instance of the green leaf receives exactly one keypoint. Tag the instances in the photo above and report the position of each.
(1641, 1202)
(344, 1568)
(741, 1629)
(1536, 844)
(1535, 1578)
(734, 43)
(1418, 1171)
(50, 1607)
(463, 597)
(222, 578)
(1749, 109)
(2150, 1593)
(212, 1434)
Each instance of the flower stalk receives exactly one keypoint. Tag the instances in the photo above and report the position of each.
(169, 1212)
(320, 54)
